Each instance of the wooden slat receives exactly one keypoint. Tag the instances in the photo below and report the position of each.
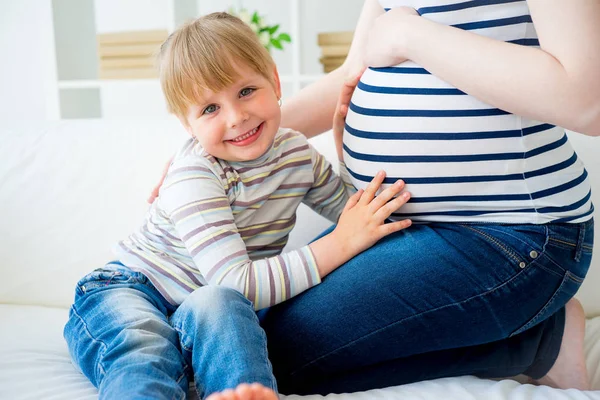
(129, 73)
(332, 60)
(331, 63)
(335, 50)
(154, 36)
(335, 38)
(127, 62)
(130, 50)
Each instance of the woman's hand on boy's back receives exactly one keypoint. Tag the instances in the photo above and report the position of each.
(361, 224)
(156, 189)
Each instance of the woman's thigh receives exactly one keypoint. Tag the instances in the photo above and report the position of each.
(429, 288)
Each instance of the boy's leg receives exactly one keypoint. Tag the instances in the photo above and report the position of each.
(222, 340)
(121, 340)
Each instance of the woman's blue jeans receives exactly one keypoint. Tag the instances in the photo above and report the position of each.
(132, 344)
(435, 300)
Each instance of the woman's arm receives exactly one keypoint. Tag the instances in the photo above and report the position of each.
(558, 83)
(311, 110)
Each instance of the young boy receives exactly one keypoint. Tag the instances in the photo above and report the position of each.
(181, 298)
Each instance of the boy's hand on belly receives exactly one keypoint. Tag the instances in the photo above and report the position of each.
(361, 225)
(362, 222)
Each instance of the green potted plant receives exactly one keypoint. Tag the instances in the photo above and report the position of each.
(267, 34)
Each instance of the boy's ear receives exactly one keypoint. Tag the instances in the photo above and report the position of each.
(277, 82)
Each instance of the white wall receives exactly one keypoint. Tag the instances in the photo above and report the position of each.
(587, 149)
(27, 68)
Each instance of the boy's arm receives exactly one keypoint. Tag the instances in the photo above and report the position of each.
(194, 199)
(328, 194)
(557, 83)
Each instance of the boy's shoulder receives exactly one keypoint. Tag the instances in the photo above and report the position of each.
(288, 140)
(192, 156)
(288, 133)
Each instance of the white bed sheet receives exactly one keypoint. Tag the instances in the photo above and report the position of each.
(34, 364)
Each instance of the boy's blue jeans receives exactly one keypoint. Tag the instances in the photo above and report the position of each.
(432, 301)
(132, 344)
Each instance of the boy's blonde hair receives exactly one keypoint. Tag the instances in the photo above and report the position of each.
(201, 55)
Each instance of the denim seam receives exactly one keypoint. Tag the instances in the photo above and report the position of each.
(89, 334)
(415, 316)
(182, 335)
(506, 250)
(534, 319)
(267, 362)
(574, 277)
(183, 375)
(574, 245)
(523, 242)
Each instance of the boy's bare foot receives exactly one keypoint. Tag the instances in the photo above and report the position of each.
(569, 369)
(245, 391)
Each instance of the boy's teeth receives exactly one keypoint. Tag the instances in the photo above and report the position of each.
(246, 136)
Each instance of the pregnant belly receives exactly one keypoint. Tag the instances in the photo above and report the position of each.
(456, 153)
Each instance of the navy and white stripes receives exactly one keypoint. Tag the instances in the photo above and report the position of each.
(462, 159)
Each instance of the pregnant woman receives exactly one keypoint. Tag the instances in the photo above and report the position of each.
(467, 102)
(463, 100)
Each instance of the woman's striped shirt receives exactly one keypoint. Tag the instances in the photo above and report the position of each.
(462, 159)
(226, 223)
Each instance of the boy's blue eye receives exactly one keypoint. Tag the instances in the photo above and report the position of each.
(210, 109)
(246, 91)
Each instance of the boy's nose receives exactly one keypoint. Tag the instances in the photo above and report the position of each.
(237, 116)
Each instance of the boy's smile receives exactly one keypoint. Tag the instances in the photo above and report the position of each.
(239, 122)
(248, 137)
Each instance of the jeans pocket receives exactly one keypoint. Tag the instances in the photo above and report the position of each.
(107, 276)
(565, 291)
(518, 244)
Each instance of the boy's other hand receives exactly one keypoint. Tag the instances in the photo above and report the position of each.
(156, 189)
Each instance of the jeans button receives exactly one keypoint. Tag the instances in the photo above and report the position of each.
(522, 264)
(533, 254)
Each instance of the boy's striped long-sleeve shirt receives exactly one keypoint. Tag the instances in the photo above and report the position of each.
(226, 223)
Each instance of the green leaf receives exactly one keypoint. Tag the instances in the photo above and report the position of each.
(273, 29)
(255, 17)
(284, 37)
(276, 44)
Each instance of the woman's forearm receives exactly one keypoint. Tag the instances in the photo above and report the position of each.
(311, 110)
(522, 80)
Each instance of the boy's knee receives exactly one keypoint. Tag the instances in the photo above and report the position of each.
(214, 298)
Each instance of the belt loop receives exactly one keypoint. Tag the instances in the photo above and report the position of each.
(580, 239)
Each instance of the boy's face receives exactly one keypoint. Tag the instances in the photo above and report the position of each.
(238, 123)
